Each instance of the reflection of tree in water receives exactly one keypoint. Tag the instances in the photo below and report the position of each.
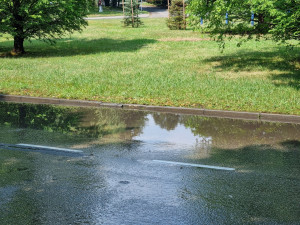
(16, 167)
(42, 117)
(264, 188)
(93, 123)
(39, 188)
(38, 173)
(106, 121)
(237, 133)
(167, 121)
(26, 211)
(283, 157)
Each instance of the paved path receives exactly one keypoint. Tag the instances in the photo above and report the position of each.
(154, 12)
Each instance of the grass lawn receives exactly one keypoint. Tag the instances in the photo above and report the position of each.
(107, 11)
(157, 66)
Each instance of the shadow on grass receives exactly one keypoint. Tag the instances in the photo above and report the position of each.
(286, 61)
(73, 47)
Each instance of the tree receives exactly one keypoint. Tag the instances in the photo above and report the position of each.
(176, 20)
(41, 19)
(279, 19)
(131, 11)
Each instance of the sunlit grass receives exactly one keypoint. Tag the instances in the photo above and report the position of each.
(157, 66)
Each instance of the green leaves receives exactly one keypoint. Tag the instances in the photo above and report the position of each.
(279, 18)
(177, 16)
(41, 19)
(131, 12)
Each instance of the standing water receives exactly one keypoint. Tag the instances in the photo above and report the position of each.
(137, 167)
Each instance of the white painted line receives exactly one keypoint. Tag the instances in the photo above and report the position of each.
(195, 165)
(50, 148)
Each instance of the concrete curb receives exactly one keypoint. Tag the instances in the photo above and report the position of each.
(189, 111)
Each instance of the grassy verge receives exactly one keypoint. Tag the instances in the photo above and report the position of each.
(107, 11)
(157, 66)
(147, 4)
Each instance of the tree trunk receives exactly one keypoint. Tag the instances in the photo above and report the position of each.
(18, 25)
(261, 18)
(132, 14)
(261, 23)
(107, 2)
(183, 13)
(114, 3)
(18, 45)
(22, 116)
(168, 9)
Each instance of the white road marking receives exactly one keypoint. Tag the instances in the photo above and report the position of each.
(50, 148)
(194, 165)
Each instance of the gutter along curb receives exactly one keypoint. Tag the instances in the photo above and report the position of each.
(189, 111)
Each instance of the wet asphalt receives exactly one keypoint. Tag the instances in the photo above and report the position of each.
(122, 177)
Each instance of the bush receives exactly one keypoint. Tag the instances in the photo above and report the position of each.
(176, 20)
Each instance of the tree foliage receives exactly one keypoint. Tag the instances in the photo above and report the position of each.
(93, 123)
(132, 12)
(40, 19)
(279, 19)
(177, 19)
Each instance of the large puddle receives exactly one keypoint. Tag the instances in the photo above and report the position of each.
(128, 173)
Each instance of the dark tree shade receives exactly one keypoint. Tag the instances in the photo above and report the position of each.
(40, 19)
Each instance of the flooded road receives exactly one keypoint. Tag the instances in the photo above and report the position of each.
(135, 168)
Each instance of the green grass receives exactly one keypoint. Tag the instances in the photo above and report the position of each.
(107, 11)
(157, 66)
(148, 4)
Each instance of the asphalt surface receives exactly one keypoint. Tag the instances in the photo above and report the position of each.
(154, 12)
(134, 168)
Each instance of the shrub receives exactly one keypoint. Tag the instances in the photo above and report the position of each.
(176, 20)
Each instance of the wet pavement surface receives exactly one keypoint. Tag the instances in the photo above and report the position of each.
(127, 173)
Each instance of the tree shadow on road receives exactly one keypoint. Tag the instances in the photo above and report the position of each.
(265, 183)
(283, 64)
(73, 47)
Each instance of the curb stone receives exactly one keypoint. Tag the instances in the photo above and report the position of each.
(282, 118)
